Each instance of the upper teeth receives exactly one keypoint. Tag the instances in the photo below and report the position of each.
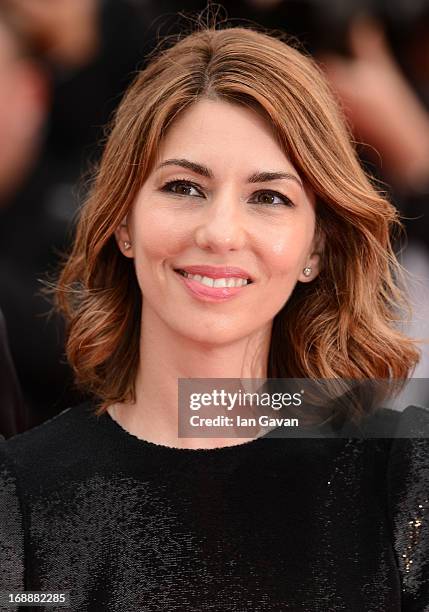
(217, 282)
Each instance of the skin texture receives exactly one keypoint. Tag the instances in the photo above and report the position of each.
(222, 220)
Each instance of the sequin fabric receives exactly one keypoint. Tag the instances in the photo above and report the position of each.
(314, 525)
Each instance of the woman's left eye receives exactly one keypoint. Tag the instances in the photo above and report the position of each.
(270, 196)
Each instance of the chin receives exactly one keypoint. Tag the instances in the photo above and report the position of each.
(213, 337)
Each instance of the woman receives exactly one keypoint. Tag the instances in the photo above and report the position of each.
(227, 159)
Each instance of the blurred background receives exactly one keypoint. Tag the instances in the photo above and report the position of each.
(64, 65)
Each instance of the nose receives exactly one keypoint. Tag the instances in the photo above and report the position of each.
(222, 227)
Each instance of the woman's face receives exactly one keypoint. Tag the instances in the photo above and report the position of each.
(221, 196)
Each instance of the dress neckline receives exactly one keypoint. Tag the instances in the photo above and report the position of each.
(164, 450)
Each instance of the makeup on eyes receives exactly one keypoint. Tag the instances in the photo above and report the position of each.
(166, 188)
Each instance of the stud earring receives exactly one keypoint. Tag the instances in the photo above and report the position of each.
(307, 271)
(127, 245)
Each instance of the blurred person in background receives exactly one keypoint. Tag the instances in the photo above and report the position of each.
(89, 50)
(92, 48)
(391, 122)
(383, 110)
(23, 107)
(24, 98)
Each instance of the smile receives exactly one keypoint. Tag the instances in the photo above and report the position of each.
(210, 289)
(216, 282)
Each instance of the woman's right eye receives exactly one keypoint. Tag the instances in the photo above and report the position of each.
(181, 188)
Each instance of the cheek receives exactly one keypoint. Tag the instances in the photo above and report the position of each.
(287, 251)
(156, 234)
(282, 255)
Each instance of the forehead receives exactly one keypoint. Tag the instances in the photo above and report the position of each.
(225, 135)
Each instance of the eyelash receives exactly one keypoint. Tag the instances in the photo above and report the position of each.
(167, 188)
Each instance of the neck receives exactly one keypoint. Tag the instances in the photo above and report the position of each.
(166, 356)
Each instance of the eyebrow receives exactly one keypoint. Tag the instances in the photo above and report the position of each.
(257, 177)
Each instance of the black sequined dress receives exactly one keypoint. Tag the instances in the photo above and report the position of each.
(273, 524)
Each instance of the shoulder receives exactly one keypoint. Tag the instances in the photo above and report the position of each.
(408, 467)
(414, 422)
(411, 422)
(409, 451)
(64, 440)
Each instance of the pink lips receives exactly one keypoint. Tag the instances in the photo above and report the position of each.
(213, 293)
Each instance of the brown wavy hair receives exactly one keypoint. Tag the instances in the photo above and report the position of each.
(345, 323)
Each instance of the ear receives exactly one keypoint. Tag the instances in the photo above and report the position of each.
(123, 239)
(313, 263)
